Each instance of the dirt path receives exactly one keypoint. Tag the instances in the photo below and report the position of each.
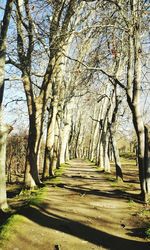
(83, 212)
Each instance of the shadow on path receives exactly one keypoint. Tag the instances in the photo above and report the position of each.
(84, 232)
(115, 193)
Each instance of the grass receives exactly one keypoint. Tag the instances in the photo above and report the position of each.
(27, 198)
(32, 196)
(131, 202)
(111, 179)
(24, 198)
(7, 227)
(88, 161)
(144, 216)
(147, 232)
(58, 173)
(128, 155)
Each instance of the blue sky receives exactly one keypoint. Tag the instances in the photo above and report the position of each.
(15, 113)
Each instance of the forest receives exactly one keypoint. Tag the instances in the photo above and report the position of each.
(74, 123)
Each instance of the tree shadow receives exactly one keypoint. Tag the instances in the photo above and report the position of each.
(13, 192)
(82, 231)
(3, 217)
(137, 232)
(131, 181)
(90, 178)
(115, 193)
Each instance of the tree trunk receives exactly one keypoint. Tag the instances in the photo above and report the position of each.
(92, 136)
(36, 108)
(67, 153)
(119, 174)
(101, 158)
(147, 162)
(54, 160)
(77, 140)
(112, 130)
(134, 88)
(65, 129)
(64, 142)
(33, 151)
(95, 139)
(4, 130)
(105, 143)
(139, 128)
(49, 148)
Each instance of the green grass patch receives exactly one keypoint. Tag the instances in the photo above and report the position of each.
(54, 180)
(131, 202)
(37, 197)
(7, 227)
(58, 173)
(26, 198)
(128, 155)
(99, 168)
(147, 232)
(111, 179)
(33, 197)
(88, 161)
(146, 212)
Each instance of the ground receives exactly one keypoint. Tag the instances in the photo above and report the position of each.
(85, 209)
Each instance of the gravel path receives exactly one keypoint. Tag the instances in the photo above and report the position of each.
(83, 212)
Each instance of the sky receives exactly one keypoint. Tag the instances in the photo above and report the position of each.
(16, 112)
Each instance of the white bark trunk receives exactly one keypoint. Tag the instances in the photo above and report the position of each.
(64, 133)
(50, 138)
(64, 142)
(4, 130)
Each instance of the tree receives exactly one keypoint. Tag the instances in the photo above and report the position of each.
(133, 24)
(28, 33)
(128, 22)
(4, 129)
(112, 128)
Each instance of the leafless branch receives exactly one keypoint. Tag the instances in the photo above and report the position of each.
(14, 100)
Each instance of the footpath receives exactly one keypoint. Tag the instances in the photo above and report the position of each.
(83, 211)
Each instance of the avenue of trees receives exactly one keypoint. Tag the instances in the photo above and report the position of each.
(83, 65)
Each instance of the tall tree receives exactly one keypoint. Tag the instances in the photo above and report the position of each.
(4, 129)
(28, 34)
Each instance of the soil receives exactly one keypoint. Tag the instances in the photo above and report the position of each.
(86, 210)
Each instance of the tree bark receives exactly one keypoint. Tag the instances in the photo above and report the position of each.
(134, 86)
(33, 152)
(112, 129)
(119, 174)
(4, 131)
(55, 157)
(105, 143)
(139, 128)
(50, 139)
(65, 132)
(147, 162)
(64, 142)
